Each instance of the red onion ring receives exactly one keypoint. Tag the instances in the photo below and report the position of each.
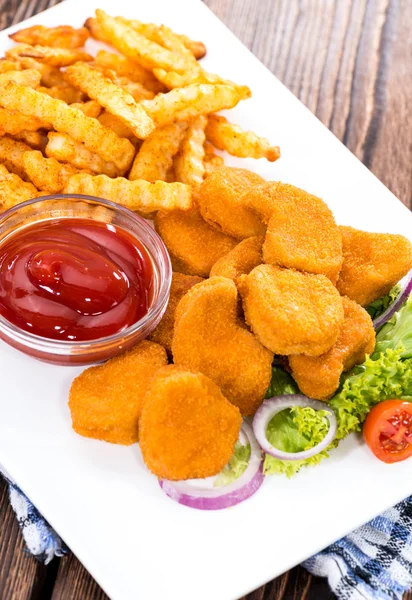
(191, 494)
(396, 304)
(271, 407)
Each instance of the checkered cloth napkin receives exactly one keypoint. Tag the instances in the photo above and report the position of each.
(372, 563)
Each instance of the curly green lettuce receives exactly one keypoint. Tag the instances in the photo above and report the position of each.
(235, 467)
(378, 307)
(397, 332)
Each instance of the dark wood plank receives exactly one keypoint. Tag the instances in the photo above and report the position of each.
(347, 60)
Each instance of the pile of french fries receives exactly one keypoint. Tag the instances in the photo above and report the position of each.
(136, 124)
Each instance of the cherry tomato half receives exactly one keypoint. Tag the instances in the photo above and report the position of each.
(388, 430)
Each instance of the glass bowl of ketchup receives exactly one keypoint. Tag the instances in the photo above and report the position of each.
(81, 279)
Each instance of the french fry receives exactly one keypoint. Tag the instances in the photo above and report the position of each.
(67, 93)
(139, 195)
(155, 156)
(135, 89)
(14, 190)
(172, 80)
(198, 49)
(91, 108)
(182, 104)
(29, 77)
(114, 99)
(47, 173)
(114, 123)
(124, 67)
(211, 160)
(236, 141)
(63, 36)
(13, 122)
(9, 65)
(64, 149)
(50, 76)
(161, 35)
(37, 140)
(11, 156)
(188, 163)
(137, 47)
(54, 57)
(69, 120)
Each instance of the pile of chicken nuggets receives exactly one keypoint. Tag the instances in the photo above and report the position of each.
(261, 270)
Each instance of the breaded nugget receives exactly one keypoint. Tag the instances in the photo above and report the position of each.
(222, 199)
(291, 312)
(241, 260)
(105, 401)
(209, 337)
(163, 334)
(301, 233)
(194, 246)
(372, 263)
(318, 377)
(187, 429)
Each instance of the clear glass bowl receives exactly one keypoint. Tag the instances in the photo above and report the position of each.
(77, 353)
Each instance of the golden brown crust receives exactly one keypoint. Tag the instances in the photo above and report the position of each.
(241, 260)
(372, 263)
(291, 312)
(210, 338)
(318, 377)
(194, 245)
(163, 334)
(187, 429)
(106, 401)
(222, 201)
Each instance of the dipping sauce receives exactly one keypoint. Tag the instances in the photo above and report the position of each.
(74, 279)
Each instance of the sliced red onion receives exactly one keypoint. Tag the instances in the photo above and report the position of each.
(271, 407)
(397, 303)
(200, 493)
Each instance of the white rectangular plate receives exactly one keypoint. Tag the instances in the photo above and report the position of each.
(135, 541)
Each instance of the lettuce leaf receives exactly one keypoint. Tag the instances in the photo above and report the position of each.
(378, 307)
(295, 430)
(281, 383)
(235, 467)
(397, 332)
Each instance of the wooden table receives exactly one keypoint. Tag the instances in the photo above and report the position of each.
(347, 60)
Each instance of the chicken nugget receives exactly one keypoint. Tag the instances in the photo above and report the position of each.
(241, 260)
(105, 401)
(222, 199)
(209, 337)
(301, 233)
(194, 246)
(291, 312)
(187, 429)
(163, 334)
(372, 263)
(318, 376)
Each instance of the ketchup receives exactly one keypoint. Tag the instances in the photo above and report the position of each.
(74, 279)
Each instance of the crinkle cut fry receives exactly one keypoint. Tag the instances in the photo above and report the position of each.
(136, 46)
(186, 103)
(47, 173)
(64, 149)
(125, 67)
(55, 57)
(11, 156)
(13, 122)
(139, 195)
(188, 163)
(155, 156)
(69, 120)
(236, 141)
(63, 36)
(117, 101)
(13, 190)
